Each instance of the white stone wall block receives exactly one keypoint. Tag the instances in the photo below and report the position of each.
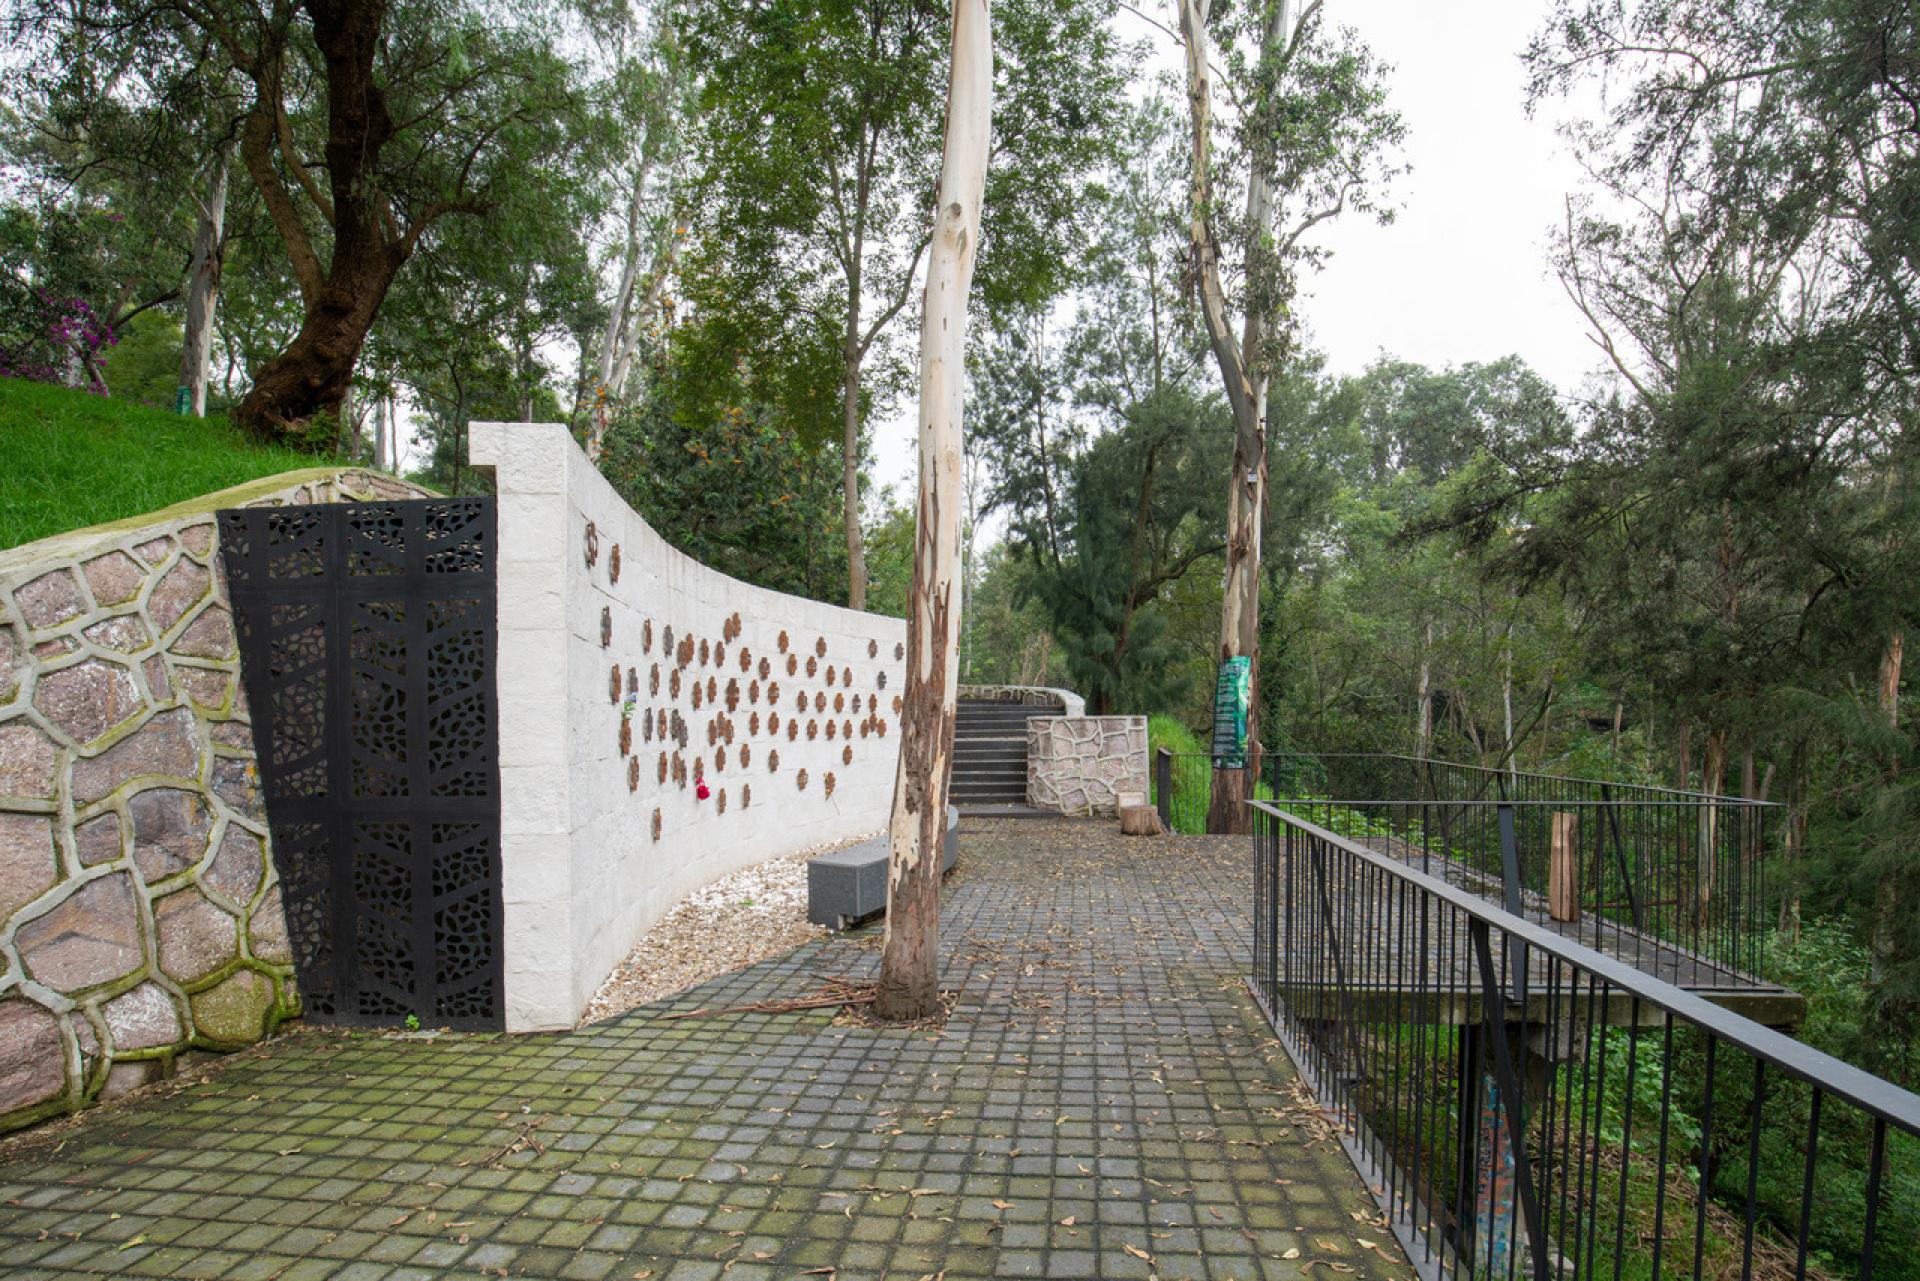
(570, 785)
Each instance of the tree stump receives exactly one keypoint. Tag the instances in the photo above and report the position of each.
(1139, 820)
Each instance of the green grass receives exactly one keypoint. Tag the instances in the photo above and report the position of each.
(1164, 731)
(70, 459)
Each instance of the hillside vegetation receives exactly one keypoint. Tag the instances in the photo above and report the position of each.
(70, 459)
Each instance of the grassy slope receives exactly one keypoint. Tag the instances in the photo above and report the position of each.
(69, 459)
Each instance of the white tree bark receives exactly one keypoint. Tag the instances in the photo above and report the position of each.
(1246, 372)
(909, 960)
(622, 333)
(1423, 695)
(663, 264)
(852, 352)
(203, 286)
(618, 314)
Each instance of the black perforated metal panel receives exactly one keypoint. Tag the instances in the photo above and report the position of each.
(367, 647)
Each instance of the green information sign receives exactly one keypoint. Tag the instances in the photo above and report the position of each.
(1230, 698)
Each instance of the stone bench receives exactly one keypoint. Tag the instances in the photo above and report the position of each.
(848, 884)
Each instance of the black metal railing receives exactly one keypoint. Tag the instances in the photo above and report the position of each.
(1183, 788)
(1523, 1105)
(1673, 881)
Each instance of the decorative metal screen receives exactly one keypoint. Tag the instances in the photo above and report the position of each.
(367, 649)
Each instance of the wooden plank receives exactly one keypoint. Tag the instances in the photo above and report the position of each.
(1563, 868)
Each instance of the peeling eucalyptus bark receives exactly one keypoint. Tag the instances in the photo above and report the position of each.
(1246, 371)
(909, 960)
(203, 285)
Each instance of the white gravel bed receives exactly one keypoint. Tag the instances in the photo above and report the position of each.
(754, 914)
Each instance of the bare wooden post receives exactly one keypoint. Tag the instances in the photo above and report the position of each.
(1563, 868)
(909, 959)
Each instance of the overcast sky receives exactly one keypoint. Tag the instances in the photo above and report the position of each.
(1461, 274)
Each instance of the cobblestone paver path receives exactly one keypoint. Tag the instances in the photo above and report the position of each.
(1103, 1103)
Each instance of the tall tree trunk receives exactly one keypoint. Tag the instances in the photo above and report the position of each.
(341, 297)
(1887, 898)
(850, 450)
(1795, 840)
(1891, 657)
(380, 430)
(663, 264)
(1423, 695)
(621, 320)
(620, 314)
(1245, 369)
(203, 288)
(1713, 768)
(910, 957)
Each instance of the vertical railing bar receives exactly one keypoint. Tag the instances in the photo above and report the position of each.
(1626, 1138)
(1547, 1184)
(1660, 1162)
(1420, 1039)
(1876, 1165)
(1806, 1187)
(1511, 1103)
(1706, 1162)
(1593, 1139)
(1753, 1166)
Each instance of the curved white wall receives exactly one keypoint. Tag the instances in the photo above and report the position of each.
(584, 872)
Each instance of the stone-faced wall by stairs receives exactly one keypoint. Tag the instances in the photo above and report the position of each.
(140, 917)
(1081, 764)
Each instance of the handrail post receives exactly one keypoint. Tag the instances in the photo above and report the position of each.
(1509, 1108)
(1511, 892)
(1163, 787)
(1620, 856)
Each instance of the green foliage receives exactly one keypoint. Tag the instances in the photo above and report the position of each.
(1164, 731)
(890, 560)
(1004, 638)
(74, 459)
(478, 155)
(809, 222)
(1134, 521)
(145, 365)
(735, 493)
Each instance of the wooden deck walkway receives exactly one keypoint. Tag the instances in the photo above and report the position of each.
(1397, 966)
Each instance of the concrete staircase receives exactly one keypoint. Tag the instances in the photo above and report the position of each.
(990, 752)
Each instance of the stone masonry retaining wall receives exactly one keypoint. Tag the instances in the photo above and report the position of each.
(1080, 764)
(140, 917)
